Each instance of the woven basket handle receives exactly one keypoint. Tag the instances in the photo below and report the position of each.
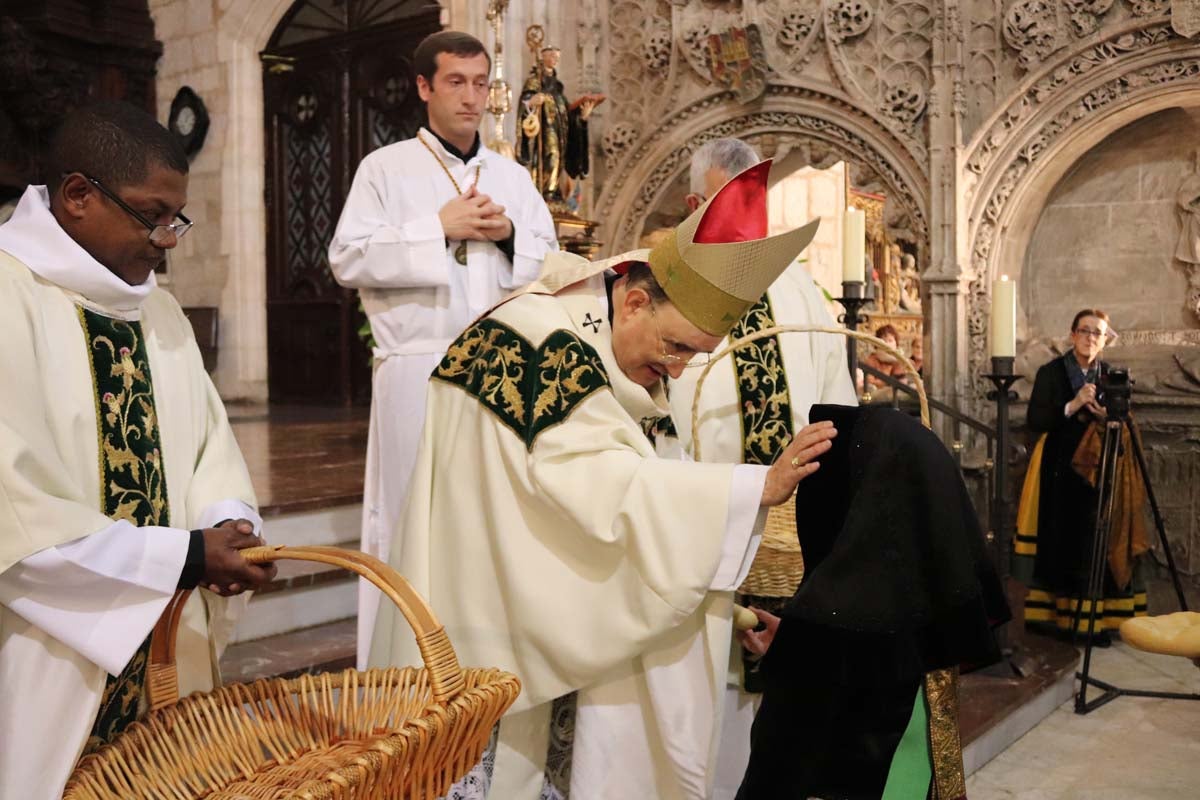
(766, 333)
(445, 675)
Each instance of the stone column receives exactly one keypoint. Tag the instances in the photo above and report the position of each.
(947, 278)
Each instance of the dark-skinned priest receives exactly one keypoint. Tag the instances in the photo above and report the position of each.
(120, 480)
(560, 536)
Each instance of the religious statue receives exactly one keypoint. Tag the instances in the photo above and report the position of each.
(1187, 249)
(910, 284)
(553, 138)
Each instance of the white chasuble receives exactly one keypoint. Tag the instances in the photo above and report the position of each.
(80, 591)
(552, 542)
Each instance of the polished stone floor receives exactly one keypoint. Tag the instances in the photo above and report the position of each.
(1129, 749)
(302, 458)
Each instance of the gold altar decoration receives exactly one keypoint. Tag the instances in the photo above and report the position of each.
(382, 734)
(499, 100)
(895, 278)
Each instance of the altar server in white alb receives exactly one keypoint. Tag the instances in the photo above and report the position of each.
(436, 229)
(120, 480)
(553, 539)
(752, 404)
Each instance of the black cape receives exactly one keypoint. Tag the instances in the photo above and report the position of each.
(897, 584)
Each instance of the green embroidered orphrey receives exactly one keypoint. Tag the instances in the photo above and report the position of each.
(132, 482)
(530, 389)
(763, 401)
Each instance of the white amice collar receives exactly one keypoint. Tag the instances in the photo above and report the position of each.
(34, 237)
(434, 142)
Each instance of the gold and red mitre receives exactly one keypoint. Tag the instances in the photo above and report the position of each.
(716, 264)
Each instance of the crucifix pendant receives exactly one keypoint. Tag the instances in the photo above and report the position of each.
(460, 253)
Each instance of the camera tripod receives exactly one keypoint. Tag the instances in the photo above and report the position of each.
(1110, 454)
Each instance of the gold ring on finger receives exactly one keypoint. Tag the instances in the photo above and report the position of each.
(796, 462)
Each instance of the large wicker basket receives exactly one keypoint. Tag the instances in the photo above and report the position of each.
(778, 565)
(376, 735)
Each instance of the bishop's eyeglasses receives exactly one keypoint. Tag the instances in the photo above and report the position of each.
(674, 354)
(160, 235)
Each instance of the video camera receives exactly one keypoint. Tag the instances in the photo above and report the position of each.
(1115, 391)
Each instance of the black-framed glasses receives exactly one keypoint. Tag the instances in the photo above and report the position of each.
(160, 235)
(1092, 333)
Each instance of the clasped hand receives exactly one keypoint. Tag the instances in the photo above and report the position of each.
(225, 571)
(473, 215)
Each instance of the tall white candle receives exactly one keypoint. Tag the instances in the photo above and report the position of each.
(854, 244)
(1004, 317)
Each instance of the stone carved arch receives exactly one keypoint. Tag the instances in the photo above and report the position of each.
(1053, 119)
(646, 169)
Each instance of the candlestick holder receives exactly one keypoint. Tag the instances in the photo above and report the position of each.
(853, 299)
(1002, 377)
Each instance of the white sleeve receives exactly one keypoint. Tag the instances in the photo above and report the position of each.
(533, 236)
(371, 249)
(743, 526)
(101, 594)
(229, 509)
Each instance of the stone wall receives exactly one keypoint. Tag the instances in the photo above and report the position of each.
(212, 46)
(1106, 238)
(1107, 235)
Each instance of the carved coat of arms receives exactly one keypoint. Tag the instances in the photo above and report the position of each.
(1185, 17)
(739, 62)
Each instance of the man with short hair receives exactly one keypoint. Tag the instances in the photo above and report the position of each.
(435, 230)
(120, 480)
(752, 406)
(554, 541)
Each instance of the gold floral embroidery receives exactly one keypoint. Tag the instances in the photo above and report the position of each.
(762, 388)
(945, 746)
(132, 481)
(529, 389)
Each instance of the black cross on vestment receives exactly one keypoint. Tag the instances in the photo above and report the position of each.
(594, 323)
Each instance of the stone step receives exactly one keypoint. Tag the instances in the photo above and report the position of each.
(997, 707)
(304, 594)
(321, 648)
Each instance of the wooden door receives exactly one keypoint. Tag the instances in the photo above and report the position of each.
(338, 82)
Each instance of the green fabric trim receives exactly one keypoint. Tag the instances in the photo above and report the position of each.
(764, 403)
(530, 389)
(132, 480)
(912, 763)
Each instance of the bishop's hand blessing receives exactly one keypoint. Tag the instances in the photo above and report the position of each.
(797, 461)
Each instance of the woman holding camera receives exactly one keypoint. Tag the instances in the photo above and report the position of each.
(1057, 516)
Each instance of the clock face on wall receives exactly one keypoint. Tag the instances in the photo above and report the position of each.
(185, 123)
(188, 120)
